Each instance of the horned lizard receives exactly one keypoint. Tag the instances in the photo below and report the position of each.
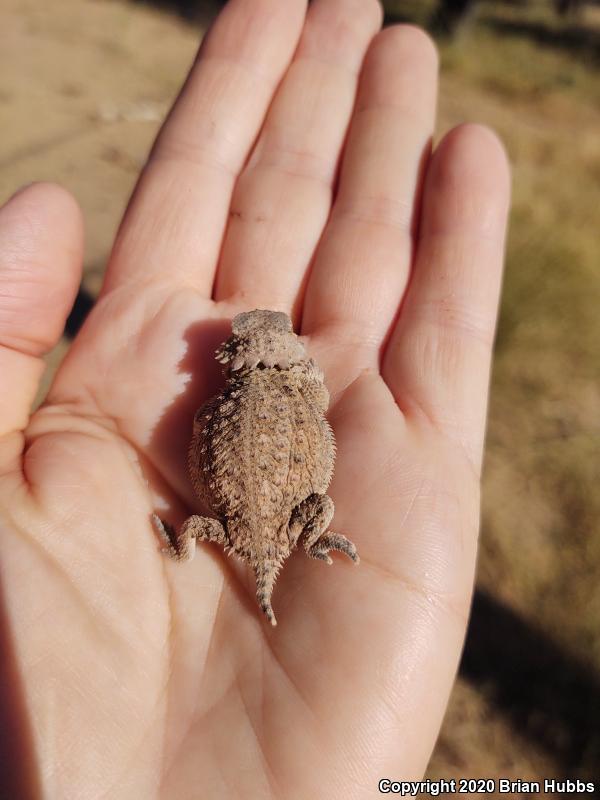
(261, 456)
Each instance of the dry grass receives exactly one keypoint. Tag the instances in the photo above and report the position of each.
(540, 548)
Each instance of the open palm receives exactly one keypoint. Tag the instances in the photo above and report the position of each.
(294, 173)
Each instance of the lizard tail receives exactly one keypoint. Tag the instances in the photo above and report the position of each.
(266, 575)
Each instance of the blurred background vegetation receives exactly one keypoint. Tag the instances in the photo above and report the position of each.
(84, 86)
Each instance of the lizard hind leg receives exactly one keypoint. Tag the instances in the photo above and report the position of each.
(181, 545)
(310, 521)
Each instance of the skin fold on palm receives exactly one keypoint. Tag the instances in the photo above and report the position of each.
(294, 172)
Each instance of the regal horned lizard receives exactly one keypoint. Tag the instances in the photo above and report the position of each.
(261, 456)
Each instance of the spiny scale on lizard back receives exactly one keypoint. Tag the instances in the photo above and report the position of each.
(263, 445)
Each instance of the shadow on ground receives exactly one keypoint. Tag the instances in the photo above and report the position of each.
(578, 41)
(548, 695)
(203, 11)
(200, 12)
(82, 306)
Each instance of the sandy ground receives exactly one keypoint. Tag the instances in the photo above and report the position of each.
(88, 84)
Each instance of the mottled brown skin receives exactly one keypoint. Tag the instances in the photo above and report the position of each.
(261, 456)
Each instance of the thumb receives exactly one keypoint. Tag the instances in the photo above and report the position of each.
(41, 245)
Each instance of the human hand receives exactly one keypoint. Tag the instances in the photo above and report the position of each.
(145, 678)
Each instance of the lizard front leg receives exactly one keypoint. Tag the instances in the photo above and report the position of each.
(310, 521)
(181, 545)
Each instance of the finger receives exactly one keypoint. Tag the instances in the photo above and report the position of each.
(41, 244)
(283, 197)
(362, 264)
(438, 359)
(175, 221)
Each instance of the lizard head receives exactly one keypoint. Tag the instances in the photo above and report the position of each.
(261, 338)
